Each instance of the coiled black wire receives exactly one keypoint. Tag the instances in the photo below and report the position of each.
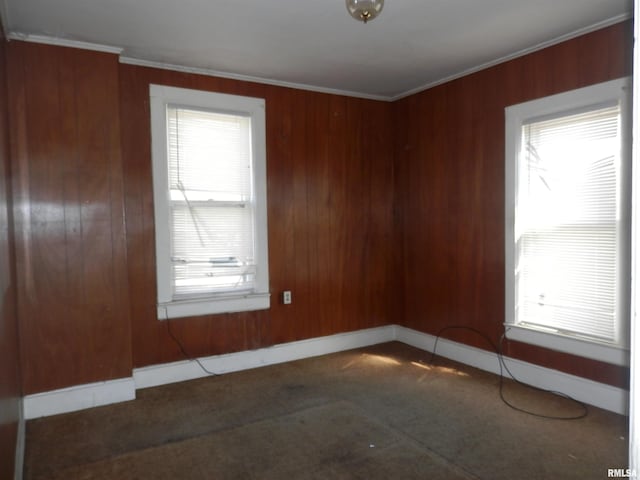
(504, 368)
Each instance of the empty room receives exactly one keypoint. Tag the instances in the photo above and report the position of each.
(318, 240)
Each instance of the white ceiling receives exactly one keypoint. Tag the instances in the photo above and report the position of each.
(315, 44)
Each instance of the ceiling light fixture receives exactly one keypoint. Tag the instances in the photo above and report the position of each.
(364, 10)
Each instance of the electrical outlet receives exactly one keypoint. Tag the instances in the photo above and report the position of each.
(286, 297)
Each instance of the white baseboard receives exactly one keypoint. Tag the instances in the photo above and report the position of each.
(188, 370)
(593, 393)
(79, 397)
(20, 443)
(103, 393)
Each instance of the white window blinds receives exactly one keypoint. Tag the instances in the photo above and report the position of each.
(567, 224)
(211, 206)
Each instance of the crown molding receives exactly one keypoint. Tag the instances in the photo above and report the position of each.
(64, 42)
(25, 37)
(521, 53)
(248, 78)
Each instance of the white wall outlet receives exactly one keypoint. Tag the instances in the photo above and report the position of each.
(286, 297)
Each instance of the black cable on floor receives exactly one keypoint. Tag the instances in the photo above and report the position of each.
(503, 367)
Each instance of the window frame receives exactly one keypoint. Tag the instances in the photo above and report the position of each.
(160, 97)
(567, 103)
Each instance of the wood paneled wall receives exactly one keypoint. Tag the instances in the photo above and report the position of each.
(330, 211)
(449, 157)
(69, 216)
(10, 388)
(87, 307)
(365, 199)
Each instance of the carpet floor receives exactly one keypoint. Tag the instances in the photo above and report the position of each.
(381, 412)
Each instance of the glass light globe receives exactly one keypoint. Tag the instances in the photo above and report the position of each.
(364, 10)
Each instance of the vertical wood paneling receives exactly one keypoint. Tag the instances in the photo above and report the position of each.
(365, 200)
(70, 251)
(449, 155)
(10, 388)
(374, 218)
(298, 318)
(316, 153)
(283, 210)
(328, 186)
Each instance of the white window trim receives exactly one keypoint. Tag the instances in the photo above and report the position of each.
(515, 116)
(259, 298)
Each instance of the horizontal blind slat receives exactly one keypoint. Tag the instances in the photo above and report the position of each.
(210, 152)
(567, 223)
(211, 214)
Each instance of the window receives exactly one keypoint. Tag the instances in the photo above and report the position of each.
(567, 214)
(209, 179)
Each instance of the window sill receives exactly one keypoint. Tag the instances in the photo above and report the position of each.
(581, 347)
(209, 306)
